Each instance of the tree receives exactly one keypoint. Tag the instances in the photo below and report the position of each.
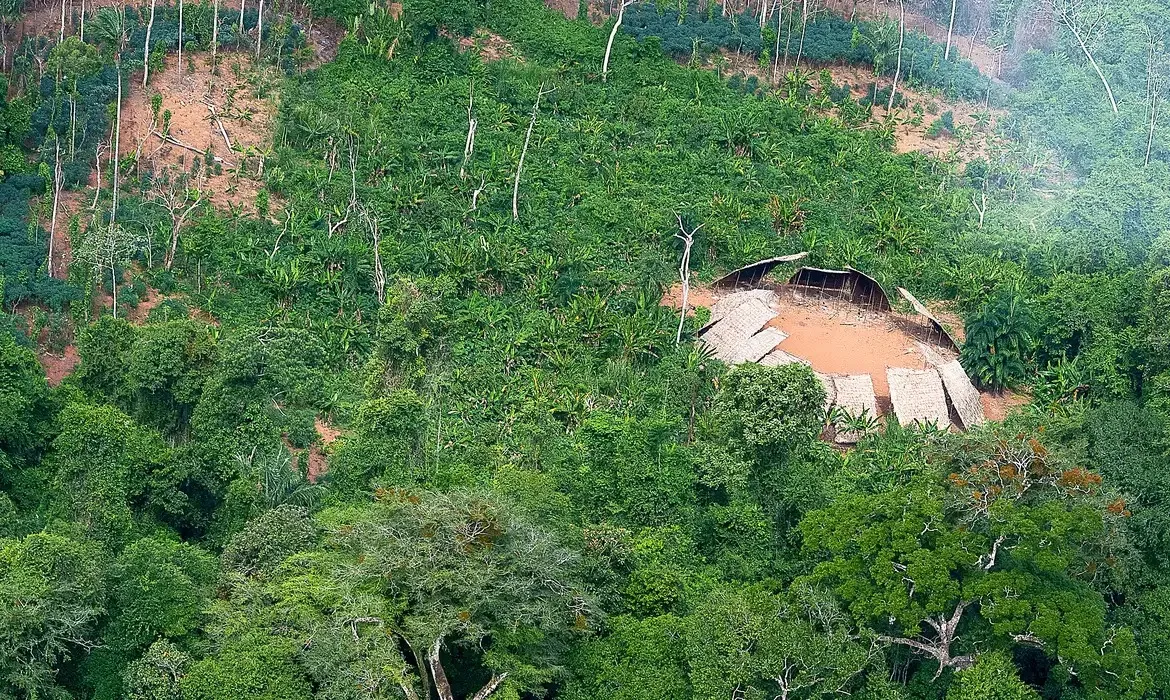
(101, 462)
(751, 643)
(613, 33)
(1014, 535)
(159, 588)
(173, 192)
(540, 92)
(470, 573)
(950, 31)
(24, 400)
(109, 247)
(999, 342)
(901, 43)
(770, 410)
(113, 33)
(146, 47)
(1084, 19)
(51, 594)
(157, 675)
(993, 677)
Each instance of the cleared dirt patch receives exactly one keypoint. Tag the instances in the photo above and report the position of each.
(57, 367)
(237, 96)
(698, 296)
(838, 337)
(491, 47)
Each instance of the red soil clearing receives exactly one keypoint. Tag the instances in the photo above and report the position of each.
(57, 367)
(837, 337)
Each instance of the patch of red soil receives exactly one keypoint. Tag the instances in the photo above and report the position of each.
(57, 367)
(318, 459)
(140, 313)
(698, 295)
(996, 407)
(568, 8)
(838, 337)
(244, 108)
(327, 432)
(491, 47)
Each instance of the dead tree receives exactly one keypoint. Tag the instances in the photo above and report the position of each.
(146, 47)
(180, 58)
(901, 43)
(214, 30)
(541, 92)
(259, 29)
(240, 36)
(179, 200)
(1157, 74)
(939, 648)
(472, 123)
(56, 200)
(612, 34)
(684, 271)
(379, 273)
(1084, 19)
(950, 31)
(776, 50)
(117, 133)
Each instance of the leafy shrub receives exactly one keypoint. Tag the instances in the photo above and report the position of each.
(999, 342)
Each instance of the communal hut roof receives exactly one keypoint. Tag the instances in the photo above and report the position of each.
(962, 393)
(754, 348)
(754, 273)
(778, 357)
(734, 329)
(854, 393)
(934, 322)
(918, 396)
(853, 284)
(731, 302)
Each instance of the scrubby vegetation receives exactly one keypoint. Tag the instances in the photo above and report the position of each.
(410, 421)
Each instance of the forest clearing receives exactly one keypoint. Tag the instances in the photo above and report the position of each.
(621, 350)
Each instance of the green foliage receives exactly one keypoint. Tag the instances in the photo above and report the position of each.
(158, 588)
(51, 595)
(999, 342)
(993, 677)
(771, 409)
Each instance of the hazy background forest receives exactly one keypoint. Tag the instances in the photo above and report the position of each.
(334, 361)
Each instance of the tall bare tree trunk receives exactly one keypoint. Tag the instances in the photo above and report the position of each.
(803, 27)
(524, 152)
(241, 36)
(950, 31)
(472, 123)
(684, 272)
(82, 35)
(214, 30)
(114, 284)
(117, 132)
(1068, 17)
(56, 201)
(180, 59)
(259, 29)
(901, 43)
(776, 50)
(146, 47)
(613, 33)
(1153, 123)
(63, 4)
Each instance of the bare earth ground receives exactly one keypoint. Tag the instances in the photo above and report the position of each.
(318, 459)
(57, 367)
(246, 117)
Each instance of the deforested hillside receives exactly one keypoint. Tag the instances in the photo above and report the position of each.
(460, 350)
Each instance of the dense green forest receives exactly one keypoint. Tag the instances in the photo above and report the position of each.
(411, 421)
